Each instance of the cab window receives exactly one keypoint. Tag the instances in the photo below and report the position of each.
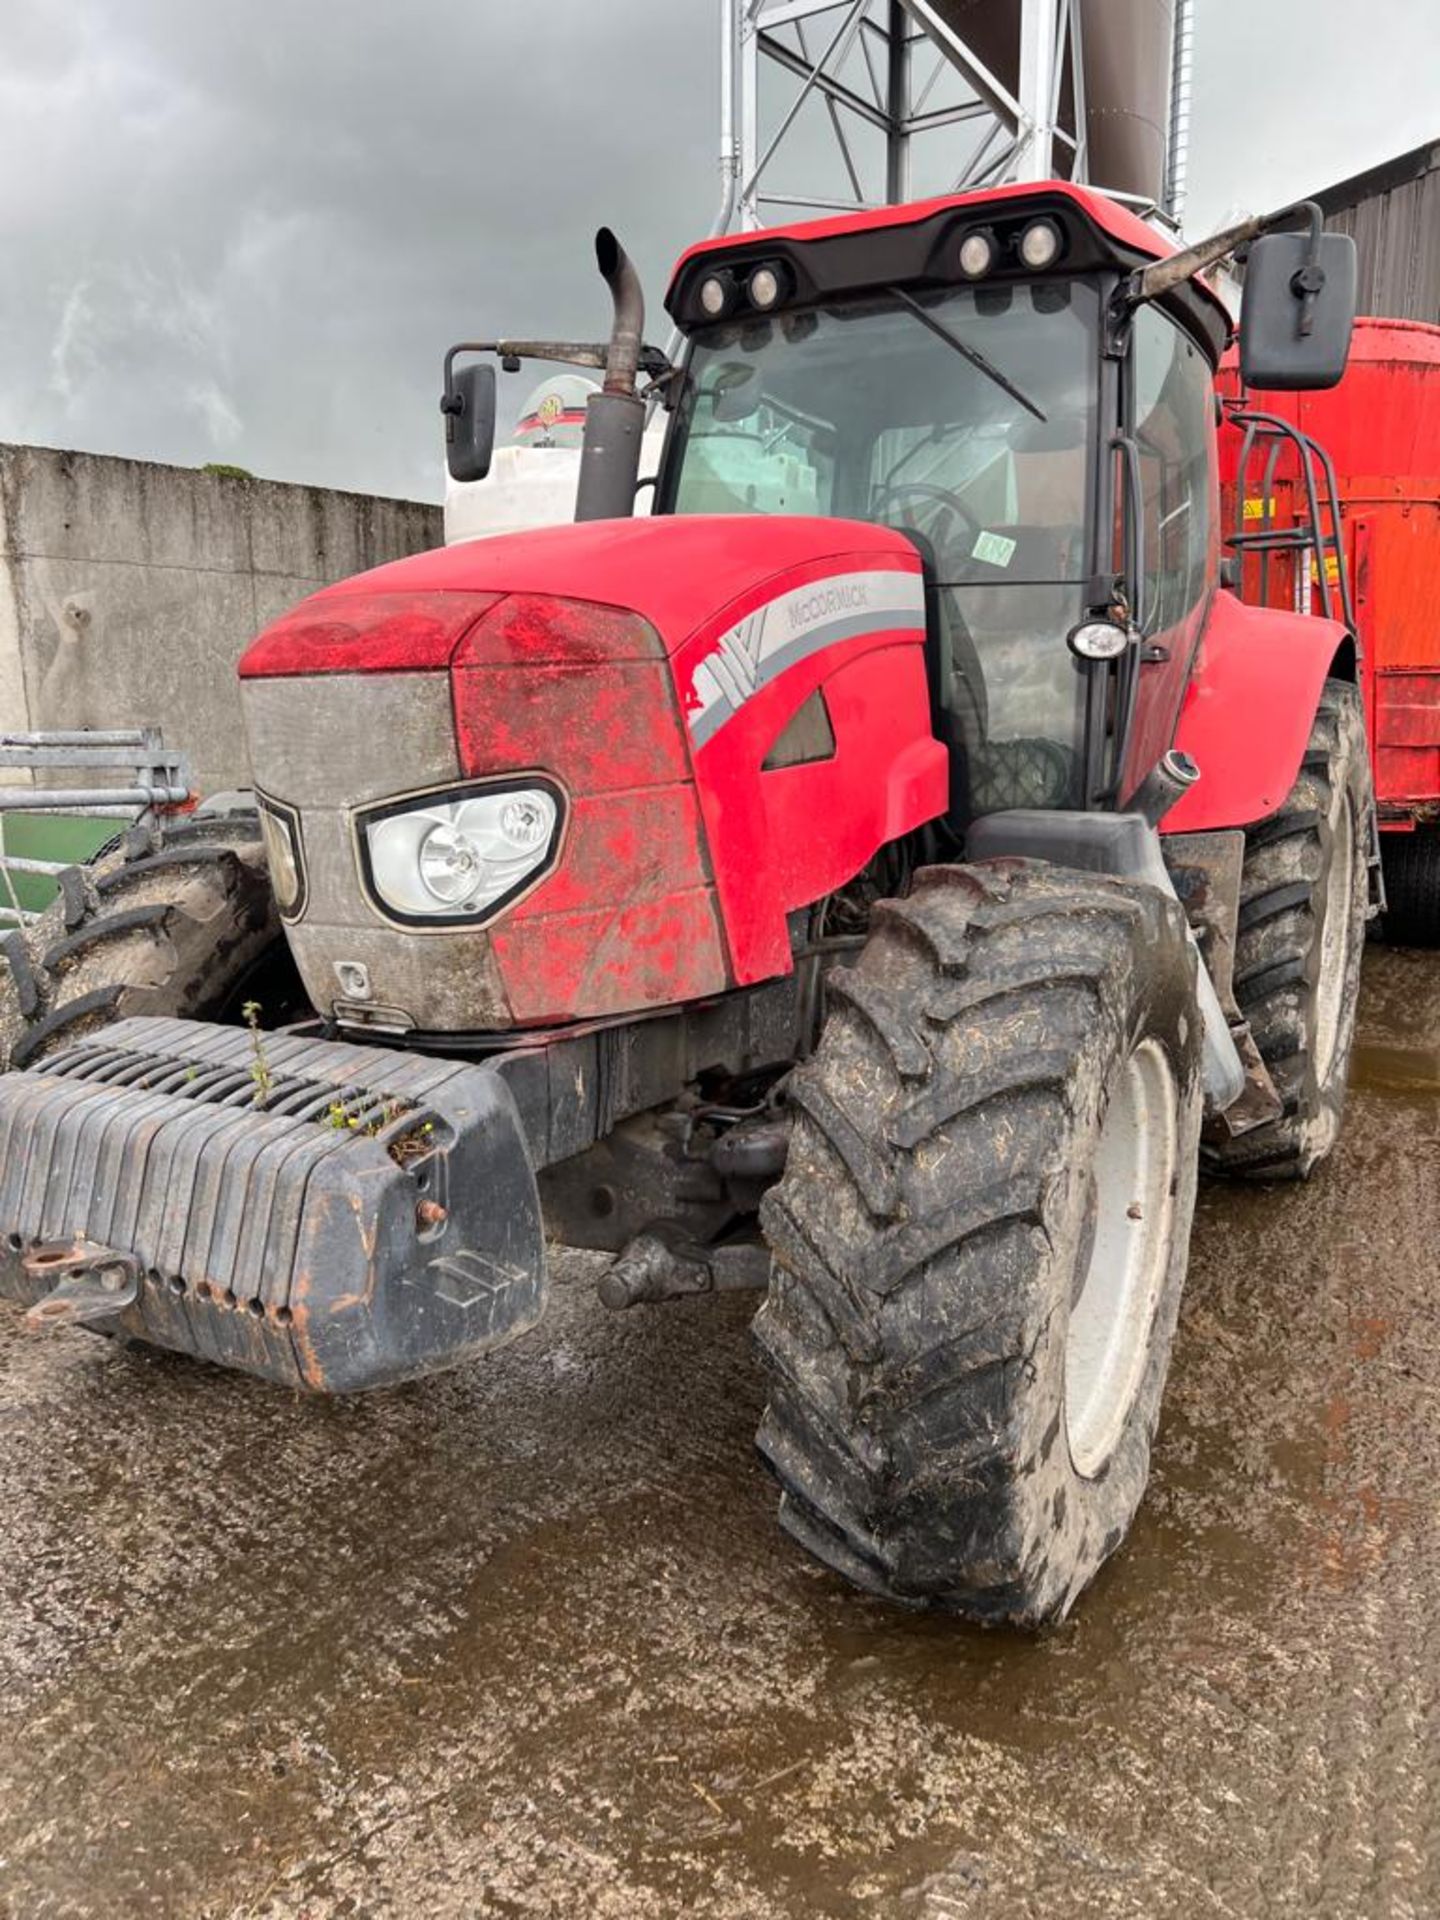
(1173, 415)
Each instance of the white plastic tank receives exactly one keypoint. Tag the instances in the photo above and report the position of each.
(533, 476)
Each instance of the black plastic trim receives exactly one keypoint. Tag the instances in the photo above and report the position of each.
(288, 816)
(924, 252)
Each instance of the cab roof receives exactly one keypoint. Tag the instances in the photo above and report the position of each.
(916, 244)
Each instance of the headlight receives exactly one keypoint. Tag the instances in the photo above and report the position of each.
(458, 856)
(766, 287)
(1098, 640)
(977, 254)
(1040, 244)
(717, 295)
(280, 830)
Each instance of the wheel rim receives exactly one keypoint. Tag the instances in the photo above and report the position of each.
(1108, 1339)
(1335, 939)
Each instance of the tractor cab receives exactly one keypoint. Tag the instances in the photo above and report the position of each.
(1020, 383)
(953, 371)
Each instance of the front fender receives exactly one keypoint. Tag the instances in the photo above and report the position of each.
(1248, 711)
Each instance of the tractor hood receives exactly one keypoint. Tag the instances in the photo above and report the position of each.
(681, 574)
(687, 697)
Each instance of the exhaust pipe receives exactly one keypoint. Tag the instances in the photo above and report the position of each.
(1166, 784)
(614, 417)
(622, 357)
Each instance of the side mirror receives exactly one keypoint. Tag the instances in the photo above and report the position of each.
(468, 404)
(1297, 311)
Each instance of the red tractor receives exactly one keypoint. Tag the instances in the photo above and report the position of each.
(879, 876)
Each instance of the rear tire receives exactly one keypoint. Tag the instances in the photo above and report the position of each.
(176, 919)
(981, 1237)
(1412, 887)
(1304, 896)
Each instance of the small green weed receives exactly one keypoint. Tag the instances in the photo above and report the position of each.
(260, 1071)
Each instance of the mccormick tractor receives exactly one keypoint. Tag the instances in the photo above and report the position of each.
(879, 876)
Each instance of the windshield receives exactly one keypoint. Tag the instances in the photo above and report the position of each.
(965, 417)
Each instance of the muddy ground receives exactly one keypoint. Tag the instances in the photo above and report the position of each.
(525, 1640)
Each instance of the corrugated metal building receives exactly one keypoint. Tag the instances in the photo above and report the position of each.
(1394, 213)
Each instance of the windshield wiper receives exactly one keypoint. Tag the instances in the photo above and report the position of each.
(972, 354)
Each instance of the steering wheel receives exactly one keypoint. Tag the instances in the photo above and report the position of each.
(951, 509)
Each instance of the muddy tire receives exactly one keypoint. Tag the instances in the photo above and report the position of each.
(175, 920)
(1304, 896)
(980, 1239)
(1412, 887)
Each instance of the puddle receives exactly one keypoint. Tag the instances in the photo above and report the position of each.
(1376, 1068)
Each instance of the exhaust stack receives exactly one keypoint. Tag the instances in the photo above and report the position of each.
(614, 417)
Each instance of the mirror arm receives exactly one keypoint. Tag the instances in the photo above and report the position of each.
(575, 353)
(1148, 283)
(1308, 281)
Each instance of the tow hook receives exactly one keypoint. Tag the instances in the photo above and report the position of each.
(661, 1264)
(89, 1282)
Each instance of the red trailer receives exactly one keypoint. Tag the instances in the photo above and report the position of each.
(1376, 439)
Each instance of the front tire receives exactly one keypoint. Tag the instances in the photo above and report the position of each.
(1304, 897)
(981, 1237)
(174, 919)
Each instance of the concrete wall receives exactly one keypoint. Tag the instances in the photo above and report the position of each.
(128, 590)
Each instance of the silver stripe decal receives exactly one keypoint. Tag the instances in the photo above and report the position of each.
(792, 626)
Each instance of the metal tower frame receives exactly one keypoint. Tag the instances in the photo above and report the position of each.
(895, 81)
(893, 75)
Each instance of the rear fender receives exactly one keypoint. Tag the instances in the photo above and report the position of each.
(1249, 708)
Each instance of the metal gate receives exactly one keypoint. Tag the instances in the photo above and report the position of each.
(120, 775)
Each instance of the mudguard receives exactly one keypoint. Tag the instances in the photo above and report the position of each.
(1248, 711)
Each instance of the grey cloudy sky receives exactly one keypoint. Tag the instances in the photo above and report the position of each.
(247, 232)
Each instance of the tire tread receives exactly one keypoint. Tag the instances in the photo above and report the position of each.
(1286, 866)
(899, 1338)
(109, 946)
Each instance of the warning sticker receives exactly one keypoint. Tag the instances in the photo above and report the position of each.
(995, 549)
